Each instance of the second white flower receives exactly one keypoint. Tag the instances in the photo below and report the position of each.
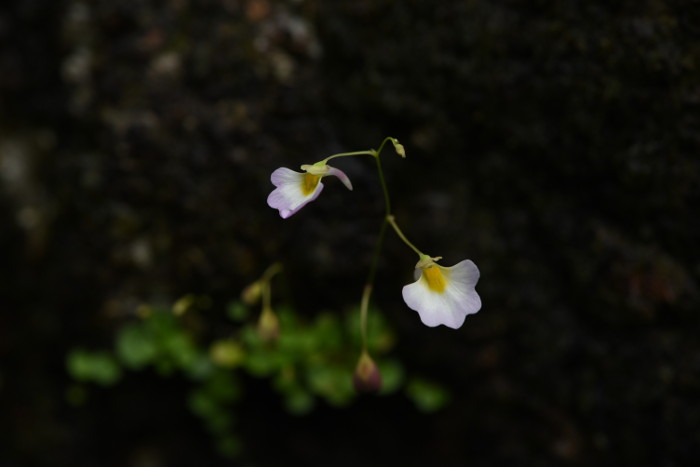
(444, 295)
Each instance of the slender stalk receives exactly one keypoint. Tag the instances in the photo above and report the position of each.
(271, 271)
(377, 250)
(369, 152)
(364, 305)
(390, 219)
(265, 281)
(382, 181)
(375, 256)
(381, 146)
(266, 296)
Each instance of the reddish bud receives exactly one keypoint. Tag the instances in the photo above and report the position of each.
(367, 378)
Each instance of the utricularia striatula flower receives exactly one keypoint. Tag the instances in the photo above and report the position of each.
(296, 189)
(443, 295)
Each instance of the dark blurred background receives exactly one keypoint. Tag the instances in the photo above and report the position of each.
(553, 143)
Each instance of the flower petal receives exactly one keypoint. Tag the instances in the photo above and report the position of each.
(418, 297)
(450, 307)
(464, 272)
(464, 275)
(289, 197)
(341, 175)
(283, 175)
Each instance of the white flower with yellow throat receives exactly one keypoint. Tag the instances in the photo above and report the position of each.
(294, 190)
(443, 295)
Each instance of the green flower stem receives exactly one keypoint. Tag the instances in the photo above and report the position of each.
(381, 146)
(265, 283)
(364, 305)
(390, 219)
(266, 295)
(369, 152)
(271, 271)
(375, 254)
(387, 200)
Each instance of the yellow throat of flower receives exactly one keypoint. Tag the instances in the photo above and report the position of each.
(309, 183)
(435, 279)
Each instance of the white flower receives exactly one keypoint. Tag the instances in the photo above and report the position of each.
(296, 189)
(443, 295)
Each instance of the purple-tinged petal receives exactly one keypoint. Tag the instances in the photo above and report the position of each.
(283, 175)
(341, 175)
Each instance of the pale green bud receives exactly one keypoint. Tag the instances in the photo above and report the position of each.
(269, 325)
(251, 294)
(398, 147)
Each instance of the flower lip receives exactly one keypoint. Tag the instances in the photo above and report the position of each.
(443, 295)
(309, 183)
(435, 279)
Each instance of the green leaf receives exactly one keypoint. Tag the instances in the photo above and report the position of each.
(229, 445)
(201, 368)
(202, 403)
(392, 375)
(96, 367)
(428, 396)
(237, 312)
(180, 348)
(135, 346)
(299, 402)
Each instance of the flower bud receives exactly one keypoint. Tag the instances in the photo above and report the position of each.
(398, 147)
(227, 353)
(367, 378)
(251, 294)
(269, 325)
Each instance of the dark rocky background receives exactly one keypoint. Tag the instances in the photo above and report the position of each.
(554, 143)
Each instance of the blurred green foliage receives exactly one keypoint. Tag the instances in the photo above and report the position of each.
(309, 362)
(97, 367)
